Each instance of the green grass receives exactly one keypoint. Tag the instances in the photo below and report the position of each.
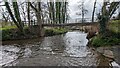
(11, 27)
(99, 41)
(11, 32)
(55, 31)
(115, 26)
(8, 27)
(113, 36)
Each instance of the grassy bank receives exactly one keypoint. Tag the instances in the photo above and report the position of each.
(55, 31)
(114, 26)
(12, 33)
(113, 36)
(108, 41)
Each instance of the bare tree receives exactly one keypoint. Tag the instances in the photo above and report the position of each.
(82, 11)
(12, 16)
(38, 16)
(94, 11)
(28, 15)
(106, 14)
(17, 15)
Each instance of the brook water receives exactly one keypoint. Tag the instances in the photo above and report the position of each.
(69, 49)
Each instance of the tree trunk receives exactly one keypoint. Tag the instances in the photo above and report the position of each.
(59, 12)
(12, 16)
(93, 11)
(50, 12)
(53, 11)
(17, 16)
(39, 20)
(6, 20)
(64, 12)
(28, 13)
(106, 15)
(38, 16)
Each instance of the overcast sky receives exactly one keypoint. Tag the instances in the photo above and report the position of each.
(73, 5)
(88, 4)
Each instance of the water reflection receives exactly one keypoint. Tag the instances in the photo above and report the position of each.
(54, 44)
(75, 43)
(68, 50)
(72, 43)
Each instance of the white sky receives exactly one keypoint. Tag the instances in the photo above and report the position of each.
(73, 7)
(88, 5)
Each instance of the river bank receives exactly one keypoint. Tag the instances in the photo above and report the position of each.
(111, 38)
(15, 34)
(109, 45)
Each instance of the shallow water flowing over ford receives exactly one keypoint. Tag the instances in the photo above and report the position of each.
(69, 49)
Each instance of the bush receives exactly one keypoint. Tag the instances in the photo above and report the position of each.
(6, 34)
(108, 41)
(48, 32)
(114, 26)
